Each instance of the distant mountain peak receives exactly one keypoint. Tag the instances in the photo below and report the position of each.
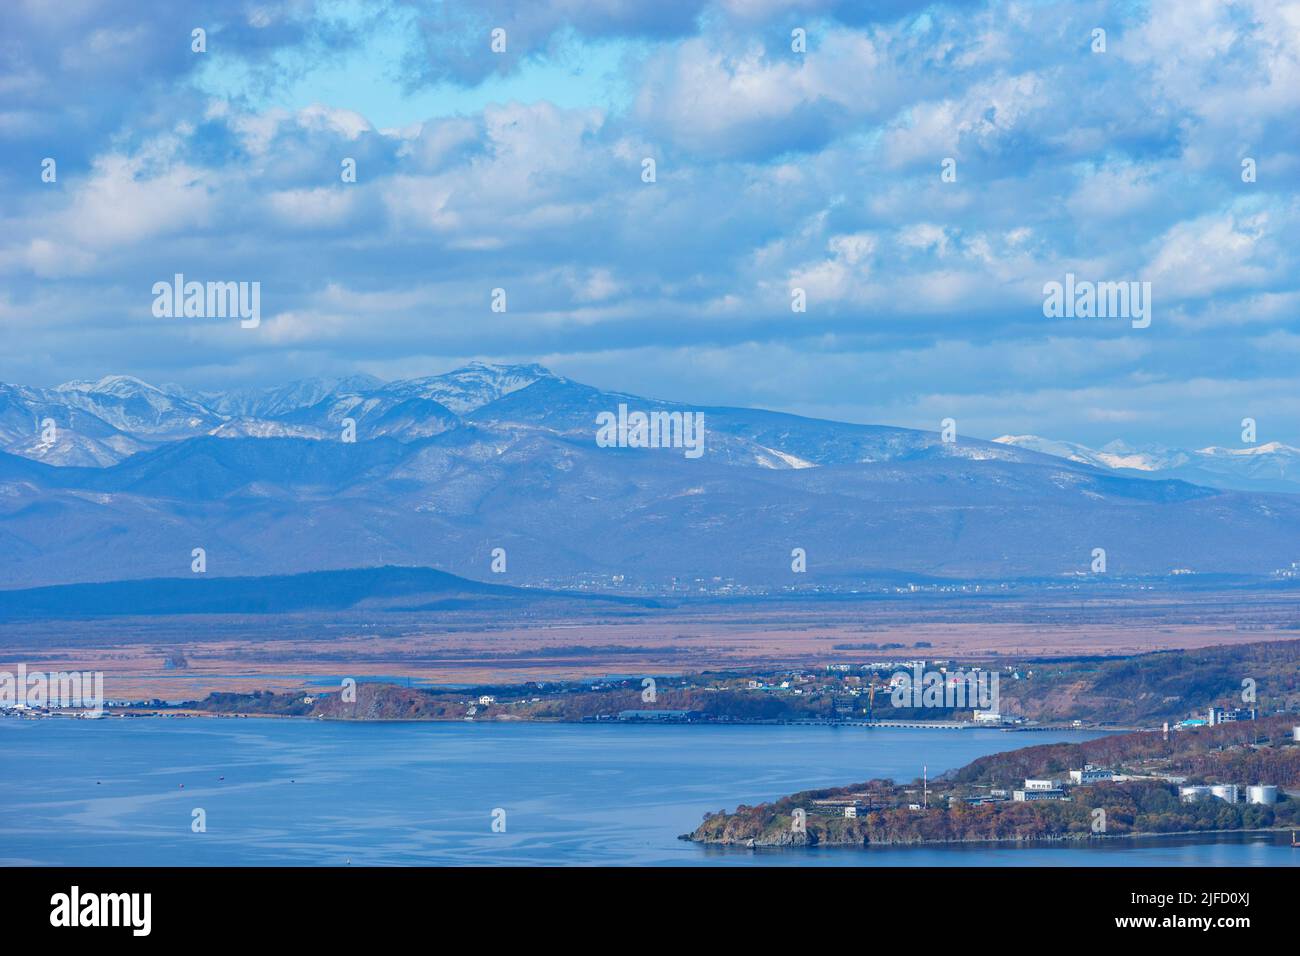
(1268, 448)
(499, 373)
(473, 385)
(119, 385)
(532, 368)
(1046, 446)
(1272, 466)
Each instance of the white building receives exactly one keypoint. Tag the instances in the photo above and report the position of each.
(1091, 774)
(1227, 715)
(987, 717)
(1042, 784)
(1025, 796)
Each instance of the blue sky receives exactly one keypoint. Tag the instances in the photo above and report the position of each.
(775, 170)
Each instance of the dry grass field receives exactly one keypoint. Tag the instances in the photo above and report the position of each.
(187, 657)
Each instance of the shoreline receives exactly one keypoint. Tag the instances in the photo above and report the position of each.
(1080, 840)
(735, 722)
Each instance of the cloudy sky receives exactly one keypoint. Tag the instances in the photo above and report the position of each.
(775, 170)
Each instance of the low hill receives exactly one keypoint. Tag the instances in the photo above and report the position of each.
(379, 589)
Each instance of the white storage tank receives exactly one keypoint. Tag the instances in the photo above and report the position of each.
(1225, 791)
(1261, 793)
(1295, 733)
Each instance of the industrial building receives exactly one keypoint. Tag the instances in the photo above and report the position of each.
(1039, 790)
(1091, 774)
(1229, 793)
(1227, 715)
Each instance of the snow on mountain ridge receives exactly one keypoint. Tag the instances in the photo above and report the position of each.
(102, 422)
(119, 385)
(1269, 467)
(284, 399)
(472, 386)
(1269, 448)
(130, 405)
(1059, 449)
(262, 428)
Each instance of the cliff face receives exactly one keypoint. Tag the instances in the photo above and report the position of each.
(731, 829)
(386, 702)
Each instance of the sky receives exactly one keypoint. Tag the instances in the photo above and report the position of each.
(776, 169)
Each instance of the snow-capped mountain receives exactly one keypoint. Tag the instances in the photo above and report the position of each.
(472, 386)
(137, 408)
(265, 428)
(268, 403)
(104, 422)
(280, 488)
(567, 510)
(1115, 454)
(101, 423)
(35, 425)
(1266, 467)
(384, 412)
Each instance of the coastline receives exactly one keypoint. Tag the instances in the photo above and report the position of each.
(1080, 839)
(512, 719)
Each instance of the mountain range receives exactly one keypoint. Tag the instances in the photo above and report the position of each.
(1270, 466)
(444, 470)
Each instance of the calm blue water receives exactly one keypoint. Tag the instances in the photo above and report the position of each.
(109, 792)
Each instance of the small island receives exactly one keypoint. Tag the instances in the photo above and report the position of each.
(1229, 777)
